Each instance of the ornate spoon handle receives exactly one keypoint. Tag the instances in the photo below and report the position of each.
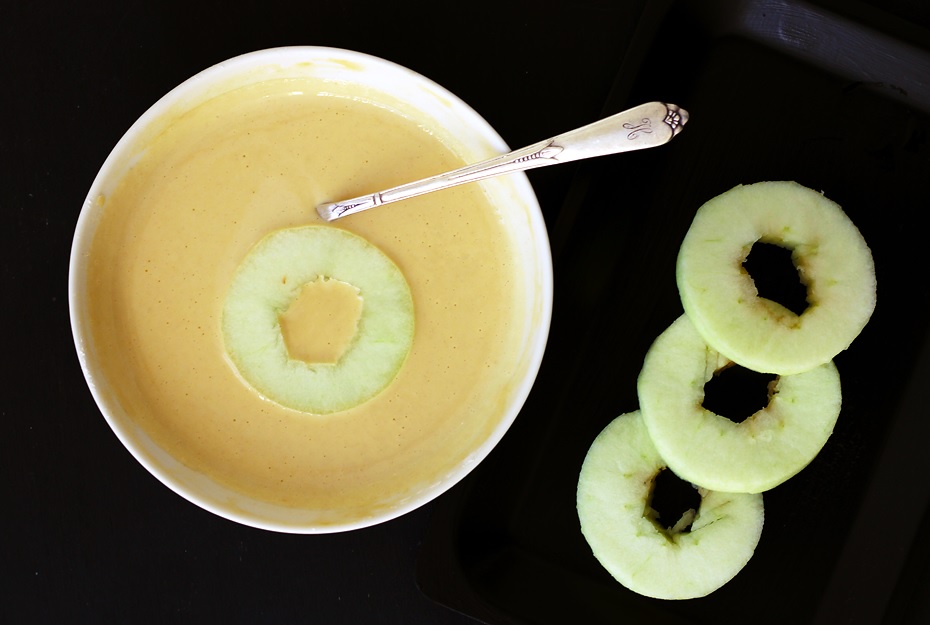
(644, 126)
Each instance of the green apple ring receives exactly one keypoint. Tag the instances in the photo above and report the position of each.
(720, 297)
(270, 278)
(614, 508)
(712, 451)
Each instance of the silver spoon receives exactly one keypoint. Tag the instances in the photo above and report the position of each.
(644, 126)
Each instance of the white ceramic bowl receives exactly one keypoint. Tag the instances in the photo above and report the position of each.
(412, 94)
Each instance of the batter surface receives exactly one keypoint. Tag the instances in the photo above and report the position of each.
(215, 182)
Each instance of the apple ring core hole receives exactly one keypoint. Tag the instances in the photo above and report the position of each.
(736, 393)
(672, 503)
(773, 270)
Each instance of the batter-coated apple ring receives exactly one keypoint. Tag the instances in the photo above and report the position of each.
(267, 282)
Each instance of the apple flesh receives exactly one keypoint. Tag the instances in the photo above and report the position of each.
(267, 282)
(751, 456)
(722, 301)
(693, 558)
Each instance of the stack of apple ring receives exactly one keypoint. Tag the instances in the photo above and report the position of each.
(726, 322)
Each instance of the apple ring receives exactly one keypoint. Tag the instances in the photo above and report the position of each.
(721, 299)
(269, 279)
(614, 507)
(712, 451)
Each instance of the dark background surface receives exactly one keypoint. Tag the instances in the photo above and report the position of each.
(87, 535)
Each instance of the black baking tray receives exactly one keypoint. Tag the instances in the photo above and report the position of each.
(837, 97)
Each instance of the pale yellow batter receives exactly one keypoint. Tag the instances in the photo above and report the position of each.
(211, 186)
